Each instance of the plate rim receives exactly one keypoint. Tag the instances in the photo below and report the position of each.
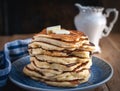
(72, 89)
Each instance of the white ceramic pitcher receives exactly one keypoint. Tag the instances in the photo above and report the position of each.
(93, 23)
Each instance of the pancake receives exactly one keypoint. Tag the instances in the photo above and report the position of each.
(73, 83)
(87, 47)
(60, 59)
(55, 76)
(40, 51)
(44, 46)
(60, 43)
(73, 36)
(62, 67)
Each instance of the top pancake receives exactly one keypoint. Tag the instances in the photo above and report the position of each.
(73, 36)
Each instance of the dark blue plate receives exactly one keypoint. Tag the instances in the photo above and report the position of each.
(101, 72)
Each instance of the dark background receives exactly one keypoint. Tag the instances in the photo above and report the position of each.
(31, 16)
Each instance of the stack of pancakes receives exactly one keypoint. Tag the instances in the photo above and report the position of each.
(60, 59)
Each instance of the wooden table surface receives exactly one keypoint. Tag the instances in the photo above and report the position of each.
(110, 47)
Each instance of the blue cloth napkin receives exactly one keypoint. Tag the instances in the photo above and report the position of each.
(11, 52)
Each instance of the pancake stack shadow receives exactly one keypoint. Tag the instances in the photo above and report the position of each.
(60, 59)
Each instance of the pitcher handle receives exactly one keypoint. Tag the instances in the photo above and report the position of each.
(109, 28)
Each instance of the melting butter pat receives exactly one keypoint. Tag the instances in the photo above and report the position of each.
(58, 27)
(57, 30)
(62, 31)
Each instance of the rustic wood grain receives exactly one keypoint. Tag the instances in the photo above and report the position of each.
(111, 52)
(115, 40)
(110, 47)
